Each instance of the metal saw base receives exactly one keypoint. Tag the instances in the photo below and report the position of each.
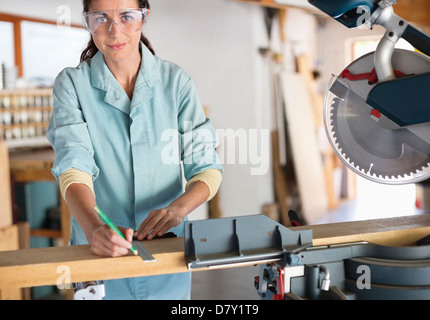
(295, 269)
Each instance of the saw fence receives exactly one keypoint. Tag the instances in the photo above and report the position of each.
(63, 265)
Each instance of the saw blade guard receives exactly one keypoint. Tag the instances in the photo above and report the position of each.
(369, 143)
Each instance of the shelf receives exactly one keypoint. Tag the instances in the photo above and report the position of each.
(40, 141)
(43, 124)
(24, 116)
(47, 233)
(25, 109)
(26, 92)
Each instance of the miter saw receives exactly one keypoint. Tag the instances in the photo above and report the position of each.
(378, 121)
(377, 111)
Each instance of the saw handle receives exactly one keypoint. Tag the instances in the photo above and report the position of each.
(418, 39)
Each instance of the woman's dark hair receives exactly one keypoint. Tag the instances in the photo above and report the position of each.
(91, 48)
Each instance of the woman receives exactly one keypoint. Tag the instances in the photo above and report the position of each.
(108, 129)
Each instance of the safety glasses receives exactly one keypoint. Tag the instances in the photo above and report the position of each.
(128, 20)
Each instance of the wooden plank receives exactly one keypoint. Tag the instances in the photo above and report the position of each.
(273, 4)
(399, 231)
(414, 11)
(9, 240)
(5, 193)
(263, 3)
(307, 159)
(47, 233)
(39, 159)
(327, 152)
(24, 235)
(280, 181)
(32, 165)
(24, 243)
(46, 266)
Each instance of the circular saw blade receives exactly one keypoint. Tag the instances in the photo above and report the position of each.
(374, 146)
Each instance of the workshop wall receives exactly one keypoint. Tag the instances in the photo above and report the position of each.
(216, 42)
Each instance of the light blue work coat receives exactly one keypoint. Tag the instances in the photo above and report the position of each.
(133, 149)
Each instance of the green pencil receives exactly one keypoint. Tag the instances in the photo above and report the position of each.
(106, 220)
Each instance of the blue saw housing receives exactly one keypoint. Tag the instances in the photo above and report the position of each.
(404, 100)
(350, 13)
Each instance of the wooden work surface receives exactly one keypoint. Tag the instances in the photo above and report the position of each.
(400, 231)
(32, 165)
(45, 266)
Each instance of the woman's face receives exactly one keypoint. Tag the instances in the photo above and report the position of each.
(116, 45)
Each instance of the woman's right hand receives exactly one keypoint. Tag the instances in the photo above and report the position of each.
(103, 241)
(106, 242)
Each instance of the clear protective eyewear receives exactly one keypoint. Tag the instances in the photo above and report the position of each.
(128, 20)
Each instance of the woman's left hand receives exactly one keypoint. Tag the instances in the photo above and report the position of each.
(158, 222)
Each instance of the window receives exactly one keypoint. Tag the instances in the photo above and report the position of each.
(30, 45)
(48, 49)
(7, 51)
(364, 46)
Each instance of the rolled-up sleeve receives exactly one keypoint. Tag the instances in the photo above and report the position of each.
(198, 137)
(68, 133)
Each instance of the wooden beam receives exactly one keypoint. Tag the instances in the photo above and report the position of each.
(273, 4)
(400, 231)
(5, 193)
(263, 3)
(415, 11)
(47, 266)
(9, 240)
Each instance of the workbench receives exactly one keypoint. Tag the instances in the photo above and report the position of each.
(34, 165)
(51, 266)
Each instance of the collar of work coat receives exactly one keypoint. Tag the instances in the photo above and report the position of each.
(103, 79)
